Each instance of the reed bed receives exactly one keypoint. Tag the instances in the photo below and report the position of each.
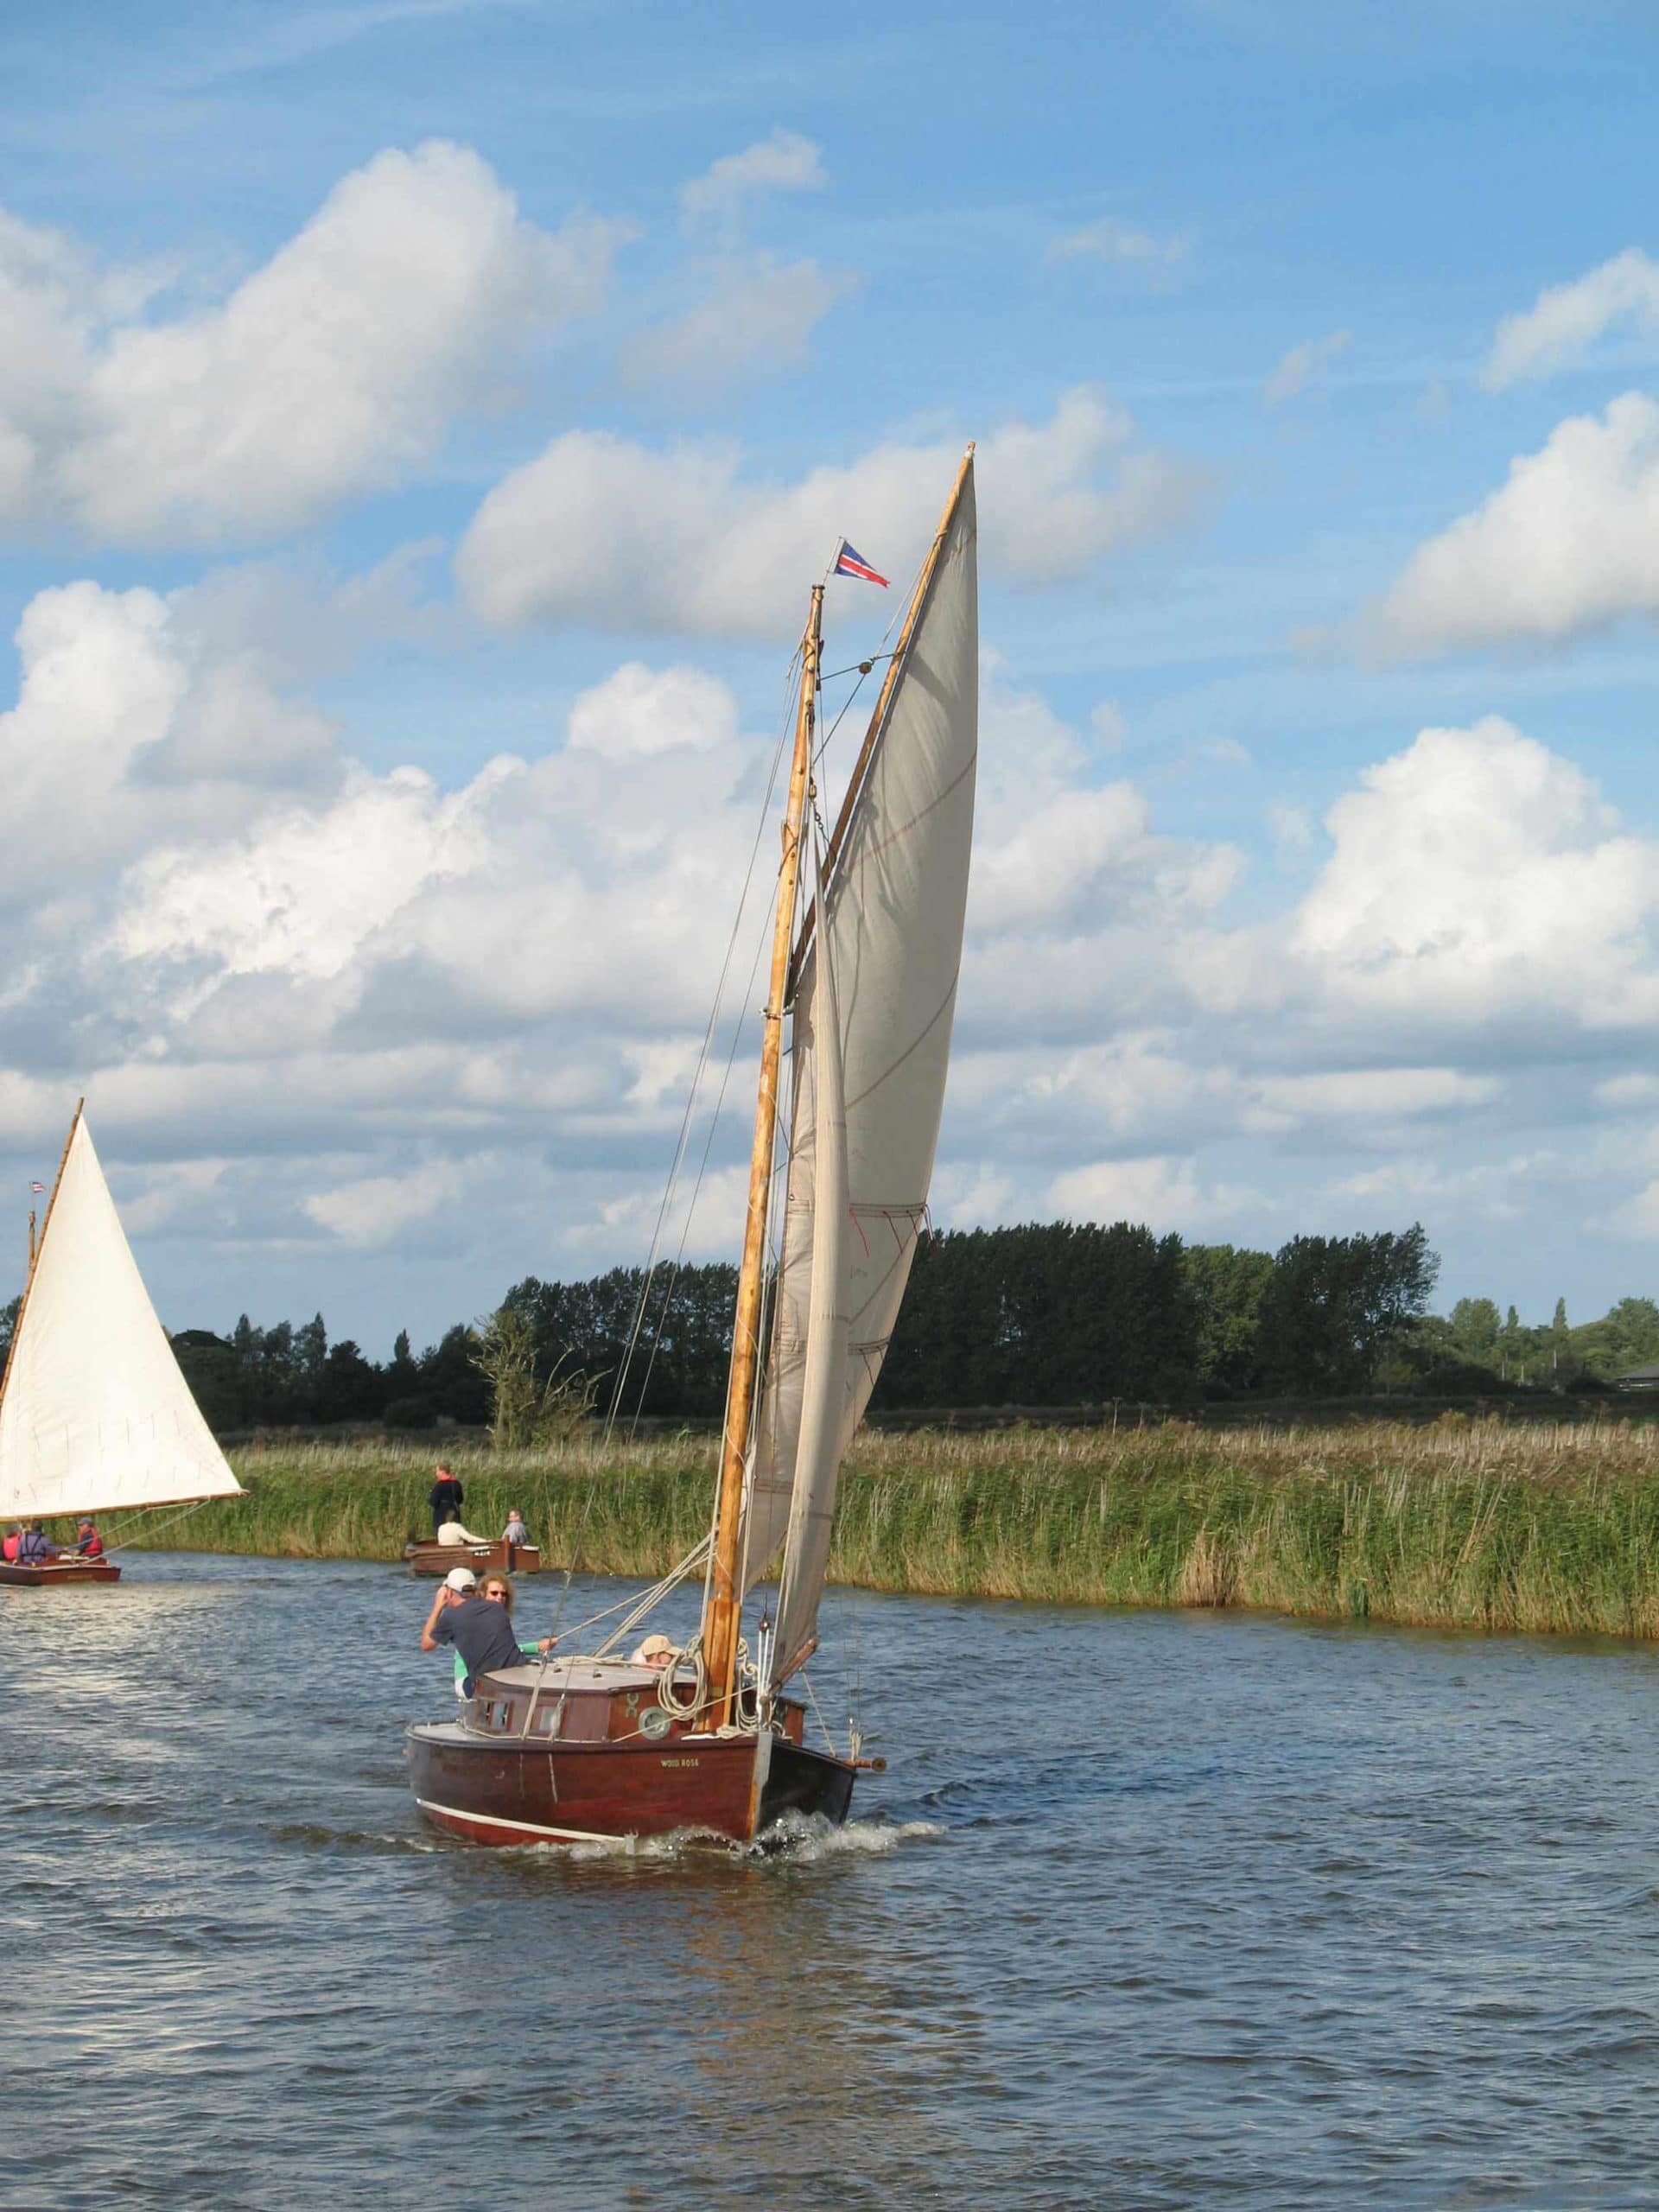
(1460, 1524)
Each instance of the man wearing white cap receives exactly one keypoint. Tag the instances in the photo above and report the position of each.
(482, 1632)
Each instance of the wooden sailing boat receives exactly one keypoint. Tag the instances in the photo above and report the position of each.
(95, 1416)
(866, 971)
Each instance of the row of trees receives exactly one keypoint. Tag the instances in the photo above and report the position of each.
(1556, 1356)
(1048, 1314)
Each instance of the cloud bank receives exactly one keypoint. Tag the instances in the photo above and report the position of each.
(1569, 544)
(601, 531)
(333, 370)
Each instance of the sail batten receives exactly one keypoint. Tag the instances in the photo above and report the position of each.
(888, 929)
(95, 1414)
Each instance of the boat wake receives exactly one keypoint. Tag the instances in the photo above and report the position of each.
(795, 1840)
(804, 1841)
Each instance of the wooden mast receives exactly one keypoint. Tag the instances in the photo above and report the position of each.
(36, 1247)
(723, 1603)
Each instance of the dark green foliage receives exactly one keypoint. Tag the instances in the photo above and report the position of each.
(410, 1414)
(451, 1378)
(1227, 1285)
(1626, 1337)
(1460, 1378)
(584, 1328)
(1334, 1304)
(1048, 1314)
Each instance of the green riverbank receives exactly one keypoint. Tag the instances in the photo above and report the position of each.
(1465, 1524)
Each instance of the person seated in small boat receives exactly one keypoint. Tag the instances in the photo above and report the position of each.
(479, 1630)
(515, 1532)
(9, 1544)
(88, 1543)
(656, 1652)
(452, 1532)
(33, 1548)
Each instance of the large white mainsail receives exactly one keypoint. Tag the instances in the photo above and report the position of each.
(94, 1414)
(892, 935)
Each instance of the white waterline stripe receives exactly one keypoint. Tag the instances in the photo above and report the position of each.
(525, 1827)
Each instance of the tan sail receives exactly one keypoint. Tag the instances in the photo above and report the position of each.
(94, 1413)
(818, 1443)
(893, 929)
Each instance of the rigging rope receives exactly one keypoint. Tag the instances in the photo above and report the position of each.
(690, 1103)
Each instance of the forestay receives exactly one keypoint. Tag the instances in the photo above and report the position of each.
(892, 937)
(94, 1414)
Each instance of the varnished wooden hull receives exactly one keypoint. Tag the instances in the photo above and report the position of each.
(436, 1559)
(498, 1789)
(58, 1574)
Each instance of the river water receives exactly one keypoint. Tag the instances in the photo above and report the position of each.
(1150, 1910)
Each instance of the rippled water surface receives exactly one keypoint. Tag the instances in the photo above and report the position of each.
(1149, 1910)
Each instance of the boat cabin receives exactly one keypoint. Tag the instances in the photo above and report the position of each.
(592, 1701)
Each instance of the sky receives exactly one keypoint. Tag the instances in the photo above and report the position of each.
(421, 422)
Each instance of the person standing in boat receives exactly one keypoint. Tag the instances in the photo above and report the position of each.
(479, 1630)
(446, 1497)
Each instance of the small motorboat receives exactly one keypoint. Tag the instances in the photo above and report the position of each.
(427, 1556)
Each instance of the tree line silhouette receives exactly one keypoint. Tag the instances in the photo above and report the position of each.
(1055, 1313)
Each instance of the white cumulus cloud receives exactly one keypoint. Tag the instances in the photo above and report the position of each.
(639, 711)
(1565, 321)
(1164, 1193)
(331, 371)
(600, 529)
(1570, 543)
(782, 162)
(1476, 876)
(376, 1209)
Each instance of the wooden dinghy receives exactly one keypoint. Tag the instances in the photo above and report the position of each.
(429, 1557)
(55, 1573)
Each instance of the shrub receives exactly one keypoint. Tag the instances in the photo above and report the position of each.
(410, 1413)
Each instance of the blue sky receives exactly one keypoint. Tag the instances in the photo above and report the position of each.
(419, 423)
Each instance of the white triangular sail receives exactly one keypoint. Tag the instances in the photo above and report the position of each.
(94, 1414)
(893, 931)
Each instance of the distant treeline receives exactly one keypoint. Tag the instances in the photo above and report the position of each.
(1048, 1314)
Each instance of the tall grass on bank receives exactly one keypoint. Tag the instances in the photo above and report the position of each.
(1462, 1524)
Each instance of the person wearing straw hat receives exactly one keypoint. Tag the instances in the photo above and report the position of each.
(480, 1632)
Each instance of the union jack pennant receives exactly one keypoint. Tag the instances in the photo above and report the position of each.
(849, 563)
(37, 1186)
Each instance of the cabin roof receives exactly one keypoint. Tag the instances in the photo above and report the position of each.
(577, 1673)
